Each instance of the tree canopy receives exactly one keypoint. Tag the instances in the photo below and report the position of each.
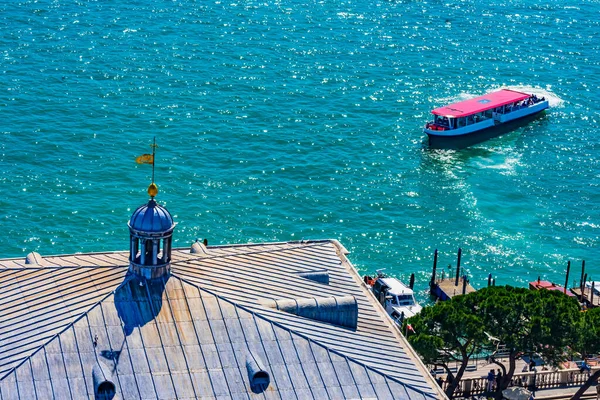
(449, 331)
(588, 342)
(524, 321)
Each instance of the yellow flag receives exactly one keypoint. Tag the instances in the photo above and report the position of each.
(145, 159)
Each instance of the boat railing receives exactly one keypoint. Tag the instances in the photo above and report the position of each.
(525, 104)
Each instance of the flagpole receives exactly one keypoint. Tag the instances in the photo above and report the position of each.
(153, 160)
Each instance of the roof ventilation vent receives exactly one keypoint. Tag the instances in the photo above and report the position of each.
(337, 310)
(321, 276)
(104, 388)
(198, 248)
(35, 259)
(259, 378)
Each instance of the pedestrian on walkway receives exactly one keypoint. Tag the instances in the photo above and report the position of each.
(498, 377)
(585, 368)
(598, 391)
(491, 377)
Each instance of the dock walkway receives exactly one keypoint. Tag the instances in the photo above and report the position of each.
(550, 384)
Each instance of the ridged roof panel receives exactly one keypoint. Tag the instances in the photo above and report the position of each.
(175, 340)
(192, 336)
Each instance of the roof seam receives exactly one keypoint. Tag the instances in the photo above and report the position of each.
(43, 346)
(80, 360)
(114, 371)
(49, 373)
(282, 356)
(370, 380)
(337, 377)
(187, 365)
(197, 337)
(212, 333)
(310, 341)
(162, 346)
(247, 252)
(56, 296)
(126, 343)
(303, 371)
(353, 378)
(230, 344)
(62, 356)
(32, 378)
(146, 357)
(261, 343)
(307, 338)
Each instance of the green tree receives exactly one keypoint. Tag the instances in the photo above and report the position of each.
(524, 321)
(588, 343)
(449, 331)
(527, 322)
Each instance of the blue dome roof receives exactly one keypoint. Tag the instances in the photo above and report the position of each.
(152, 218)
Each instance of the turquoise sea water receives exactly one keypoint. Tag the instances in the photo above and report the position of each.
(292, 120)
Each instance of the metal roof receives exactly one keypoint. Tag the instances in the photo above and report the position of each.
(201, 333)
(481, 103)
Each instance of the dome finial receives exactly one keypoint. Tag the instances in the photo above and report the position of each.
(153, 190)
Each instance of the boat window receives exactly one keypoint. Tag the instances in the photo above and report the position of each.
(461, 122)
(405, 300)
(394, 300)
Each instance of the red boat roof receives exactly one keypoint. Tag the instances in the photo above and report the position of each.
(481, 103)
(550, 286)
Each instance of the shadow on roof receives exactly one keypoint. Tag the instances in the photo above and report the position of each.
(139, 302)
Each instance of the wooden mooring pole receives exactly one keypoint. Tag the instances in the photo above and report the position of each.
(457, 267)
(567, 278)
(582, 282)
(432, 281)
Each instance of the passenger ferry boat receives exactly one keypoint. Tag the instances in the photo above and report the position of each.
(397, 298)
(471, 121)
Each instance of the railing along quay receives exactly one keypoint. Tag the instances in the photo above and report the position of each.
(562, 378)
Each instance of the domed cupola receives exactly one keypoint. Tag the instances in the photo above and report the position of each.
(151, 230)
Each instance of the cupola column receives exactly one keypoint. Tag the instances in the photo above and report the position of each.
(143, 252)
(166, 250)
(132, 251)
(154, 252)
(136, 248)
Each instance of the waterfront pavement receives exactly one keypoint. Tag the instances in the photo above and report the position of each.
(480, 369)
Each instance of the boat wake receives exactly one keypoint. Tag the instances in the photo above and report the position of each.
(553, 99)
